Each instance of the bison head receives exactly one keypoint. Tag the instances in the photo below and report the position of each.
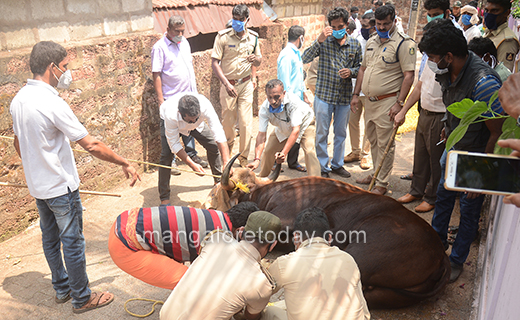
(236, 187)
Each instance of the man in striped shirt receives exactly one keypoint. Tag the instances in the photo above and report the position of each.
(152, 244)
(462, 74)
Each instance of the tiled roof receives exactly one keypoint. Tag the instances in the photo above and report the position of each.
(167, 4)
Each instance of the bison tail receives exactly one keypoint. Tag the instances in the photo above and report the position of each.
(392, 298)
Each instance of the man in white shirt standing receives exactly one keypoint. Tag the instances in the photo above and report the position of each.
(172, 71)
(185, 114)
(293, 120)
(44, 125)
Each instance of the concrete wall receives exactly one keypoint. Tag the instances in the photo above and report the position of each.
(294, 8)
(26, 22)
(499, 257)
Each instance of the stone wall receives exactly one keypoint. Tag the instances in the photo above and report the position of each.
(26, 22)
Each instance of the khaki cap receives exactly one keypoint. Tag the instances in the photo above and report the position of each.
(264, 225)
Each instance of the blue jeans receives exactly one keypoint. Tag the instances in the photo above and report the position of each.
(323, 112)
(61, 222)
(469, 217)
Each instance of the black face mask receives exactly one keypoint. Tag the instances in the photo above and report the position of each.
(365, 33)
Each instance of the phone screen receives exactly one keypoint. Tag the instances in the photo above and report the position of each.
(488, 173)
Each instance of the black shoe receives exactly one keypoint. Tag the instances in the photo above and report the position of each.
(456, 270)
(325, 174)
(199, 161)
(341, 172)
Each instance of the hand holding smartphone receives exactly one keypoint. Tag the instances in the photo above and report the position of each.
(482, 173)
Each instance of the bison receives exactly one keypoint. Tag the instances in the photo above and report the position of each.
(402, 260)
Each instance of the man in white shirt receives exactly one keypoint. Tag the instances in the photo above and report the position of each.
(172, 71)
(185, 114)
(294, 122)
(44, 125)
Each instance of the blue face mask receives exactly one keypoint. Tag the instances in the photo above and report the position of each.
(277, 110)
(465, 19)
(365, 33)
(339, 34)
(490, 20)
(430, 19)
(238, 25)
(384, 34)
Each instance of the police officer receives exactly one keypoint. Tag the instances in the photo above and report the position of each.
(235, 52)
(386, 75)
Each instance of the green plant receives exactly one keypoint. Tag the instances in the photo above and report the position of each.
(515, 9)
(470, 112)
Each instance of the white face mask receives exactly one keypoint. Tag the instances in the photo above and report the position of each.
(435, 67)
(177, 39)
(301, 42)
(65, 79)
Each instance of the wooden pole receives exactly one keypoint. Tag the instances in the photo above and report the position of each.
(95, 193)
(392, 138)
(414, 18)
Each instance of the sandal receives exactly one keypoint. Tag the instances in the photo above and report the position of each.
(95, 302)
(407, 176)
(299, 167)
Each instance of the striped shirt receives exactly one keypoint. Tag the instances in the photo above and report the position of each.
(330, 87)
(171, 230)
(483, 91)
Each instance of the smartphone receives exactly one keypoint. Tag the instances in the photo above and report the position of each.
(482, 172)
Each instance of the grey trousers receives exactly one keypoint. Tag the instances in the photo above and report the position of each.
(205, 138)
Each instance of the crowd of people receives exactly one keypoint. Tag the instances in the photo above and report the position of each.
(361, 64)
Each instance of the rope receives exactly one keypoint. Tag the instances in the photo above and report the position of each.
(155, 302)
(143, 162)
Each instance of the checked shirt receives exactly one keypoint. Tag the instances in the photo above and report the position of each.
(330, 87)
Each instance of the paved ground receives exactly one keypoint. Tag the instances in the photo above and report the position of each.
(25, 283)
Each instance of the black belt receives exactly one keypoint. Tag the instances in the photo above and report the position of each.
(431, 113)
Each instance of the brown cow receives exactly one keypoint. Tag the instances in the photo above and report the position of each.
(402, 260)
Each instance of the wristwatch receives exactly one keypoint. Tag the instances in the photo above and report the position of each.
(401, 103)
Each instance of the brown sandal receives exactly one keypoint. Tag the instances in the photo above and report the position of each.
(95, 302)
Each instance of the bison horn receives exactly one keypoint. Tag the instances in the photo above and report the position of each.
(274, 175)
(225, 183)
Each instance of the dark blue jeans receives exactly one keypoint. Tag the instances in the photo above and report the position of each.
(61, 222)
(469, 217)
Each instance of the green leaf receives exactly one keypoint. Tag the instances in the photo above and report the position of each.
(509, 125)
(456, 135)
(492, 99)
(458, 109)
(473, 113)
(505, 135)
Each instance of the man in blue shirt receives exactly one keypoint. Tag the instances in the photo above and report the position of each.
(462, 74)
(340, 59)
(290, 72)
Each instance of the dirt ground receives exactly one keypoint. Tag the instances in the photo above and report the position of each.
(21, 256)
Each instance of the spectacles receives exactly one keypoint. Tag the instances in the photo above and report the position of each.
(191, 121)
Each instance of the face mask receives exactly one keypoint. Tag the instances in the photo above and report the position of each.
(465, 19)
(277, 110)
(492, 63)
(65, 79)
(365, 33)
(354, 16)
(490, 20)
(177, 39)
(435, 67)
(339, 34)
(238, 25)
(384, 34)
(440, 16)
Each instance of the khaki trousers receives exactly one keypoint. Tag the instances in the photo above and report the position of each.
(354, 131)
(378, 129)
(307, 143)
(240, 107)
(275, 311)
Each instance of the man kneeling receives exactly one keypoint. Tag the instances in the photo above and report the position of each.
(320, 281)
(293, 120)
(151, 244)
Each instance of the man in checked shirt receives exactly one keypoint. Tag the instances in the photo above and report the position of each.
(340, 59)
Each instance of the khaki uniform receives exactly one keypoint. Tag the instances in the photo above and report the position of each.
(320, 282)
(225, 278)
(232, 52)
(507, 44)
(385, 65)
